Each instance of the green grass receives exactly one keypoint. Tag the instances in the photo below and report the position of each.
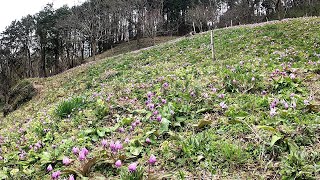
(202, 133)
(67, 107)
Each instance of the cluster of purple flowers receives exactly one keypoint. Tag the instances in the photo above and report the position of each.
(286, 66)
(67, 161)
(55, 175)
(82, 154)
(276, 102)
(115, 146)
(36, 146)
(22, 155)
(153, 107)
(277, 72)
(314, 63)
(133, 166)
(134, 124)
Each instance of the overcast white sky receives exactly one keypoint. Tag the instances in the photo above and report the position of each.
(15, 9)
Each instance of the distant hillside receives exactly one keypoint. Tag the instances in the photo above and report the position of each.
(254, 113)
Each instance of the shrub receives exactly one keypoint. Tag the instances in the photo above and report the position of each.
(21, 93)
(66, 107)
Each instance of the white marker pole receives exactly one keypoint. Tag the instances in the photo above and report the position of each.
(212, 46)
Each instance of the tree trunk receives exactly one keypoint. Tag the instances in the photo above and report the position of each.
(29, 63)
(93, 48)
(82, 51)
(139, 34)
(42, 70)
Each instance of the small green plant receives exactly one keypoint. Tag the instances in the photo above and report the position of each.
(101, 109)
(298, 166)
(232, 154)
(66, 107)
(242, 79)
(282, 83)
(212, 149)
(132, 175)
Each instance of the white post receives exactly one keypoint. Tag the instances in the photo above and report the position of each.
(194, 28)
(231, 23)
(212, 46)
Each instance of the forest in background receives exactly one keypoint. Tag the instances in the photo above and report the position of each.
(54, 40)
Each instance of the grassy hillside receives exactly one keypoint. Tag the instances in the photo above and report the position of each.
(126, 47)
(252, 114)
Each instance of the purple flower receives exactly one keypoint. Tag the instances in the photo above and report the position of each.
(38, 145)
(85, 151)
(159, 118)
(104, 143)
(75, 150)
(55, 175)
(150, 94)
(292, 76)
(132, 167)
(214, 90)
(221, 96)
(49, 168)
(82, 156)
(133, 124)
(121, 130)
(286, 105)
(273, 112)
(127, 141)
(118, 145)
(1, 158)
(148, 102)
(112, 146)
(115, 146)
(155, 112)
(66, 161)
(22, 156)
(192, 94)
(274, 103)
(264, 92)
(151, 106)
(165, 85)
(152, 160)
(223, 105)
(306, 102)
(253, 79)
(148, 141)
(118, 164)
(71, 177)
(163, 101)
